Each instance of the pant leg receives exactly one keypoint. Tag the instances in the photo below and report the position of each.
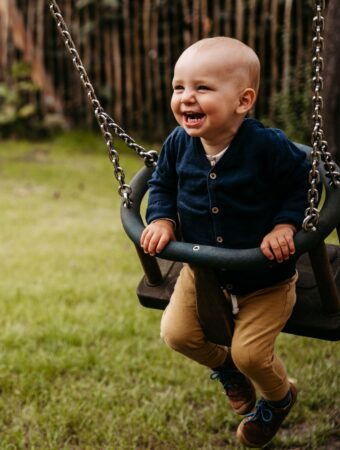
(261, 317)
(180, 327)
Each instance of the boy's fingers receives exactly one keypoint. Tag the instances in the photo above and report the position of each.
(142, 238)
(284, 248)
(153, 244)
(147, 241)
(266, 250)
(276, 249)
(162, 243)
(291, 244)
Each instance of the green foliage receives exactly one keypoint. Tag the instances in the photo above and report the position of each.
(293, 112)
(103, 4)
(80, 4)
(82, 366)
(108, 13)
(19, 108)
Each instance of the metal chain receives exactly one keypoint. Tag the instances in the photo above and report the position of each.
(104, 120)
(319, 144)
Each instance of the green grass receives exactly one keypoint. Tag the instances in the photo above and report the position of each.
(82, 366)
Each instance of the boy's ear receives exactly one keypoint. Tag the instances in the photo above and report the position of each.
(246, 101)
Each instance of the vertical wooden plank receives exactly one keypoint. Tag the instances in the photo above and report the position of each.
(4, 36)
(137, 67)
(227, 17)
(205, 19)
(196, 20)
(117, 66)
(147, 63)
(299, 44)
(239, 19)
(252, 24)
(176, 48)
(67, 77)
(157, 107)
(128, 81)
(30, 25)
(86, 37)
(261, 103)
(108, 72)
(97, 46)
(217, 14)
(274, 70)
(187, 29)
(167, 64)
(79, 99)
(176, 27)
(40, 29)
(286, 46)
(39, 48)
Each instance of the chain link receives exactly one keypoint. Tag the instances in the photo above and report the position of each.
(104, 120)
(319, 144)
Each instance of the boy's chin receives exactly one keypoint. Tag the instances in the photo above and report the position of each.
(192, 131)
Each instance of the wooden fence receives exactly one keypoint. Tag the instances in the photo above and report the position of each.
(129, 49)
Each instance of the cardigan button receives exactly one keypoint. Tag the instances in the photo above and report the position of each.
(212, 176)
(215, 210)
(219, 239)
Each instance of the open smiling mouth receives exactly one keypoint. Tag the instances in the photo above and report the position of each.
(193, 118)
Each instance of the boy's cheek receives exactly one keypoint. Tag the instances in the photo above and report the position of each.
(174, 104)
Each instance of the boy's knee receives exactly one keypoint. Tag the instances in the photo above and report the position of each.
(248, 359)
(179, 340)
(174, 341)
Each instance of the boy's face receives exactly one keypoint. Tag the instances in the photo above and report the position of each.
(206, 95)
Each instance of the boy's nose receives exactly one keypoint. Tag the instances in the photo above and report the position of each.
(188, 96)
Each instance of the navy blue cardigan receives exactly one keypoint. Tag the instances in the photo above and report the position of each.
(260, 181)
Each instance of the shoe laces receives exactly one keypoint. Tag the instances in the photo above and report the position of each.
(263, 413)
(228, 378)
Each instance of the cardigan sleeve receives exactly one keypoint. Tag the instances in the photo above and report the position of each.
(289, 173)
(162, 202)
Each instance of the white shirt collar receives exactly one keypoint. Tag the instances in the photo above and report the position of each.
(214, 158)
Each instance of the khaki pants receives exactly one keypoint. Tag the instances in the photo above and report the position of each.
(262, 315)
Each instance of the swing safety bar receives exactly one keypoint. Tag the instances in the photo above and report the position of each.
(231, 259)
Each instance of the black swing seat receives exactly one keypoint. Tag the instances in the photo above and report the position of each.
(309, 317)
(317, 310)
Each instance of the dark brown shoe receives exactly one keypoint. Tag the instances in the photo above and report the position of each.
(238, 388)
(260, 426)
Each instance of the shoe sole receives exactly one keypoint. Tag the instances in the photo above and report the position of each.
(244, 441)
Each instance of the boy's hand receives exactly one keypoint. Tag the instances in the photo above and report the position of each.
(279, 244)
(156, 236)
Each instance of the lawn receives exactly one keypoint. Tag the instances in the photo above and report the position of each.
(82, 366)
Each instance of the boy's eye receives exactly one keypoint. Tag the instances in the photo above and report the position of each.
(203, 87)
(178, 87)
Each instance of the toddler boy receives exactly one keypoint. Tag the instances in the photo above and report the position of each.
(228, 181)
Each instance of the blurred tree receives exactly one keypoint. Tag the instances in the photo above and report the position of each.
(18, 108)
